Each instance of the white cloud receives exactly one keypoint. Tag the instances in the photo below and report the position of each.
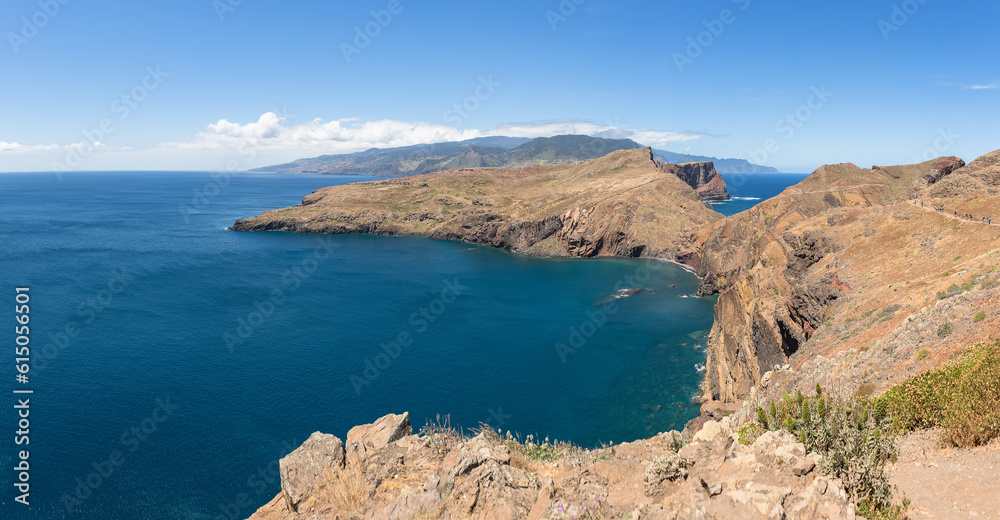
(272, 132)
(271, 139)
(20, 148)
(988, 86)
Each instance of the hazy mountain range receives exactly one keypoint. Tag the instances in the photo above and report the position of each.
(488, 152)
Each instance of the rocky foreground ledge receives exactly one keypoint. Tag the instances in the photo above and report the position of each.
(385, 472)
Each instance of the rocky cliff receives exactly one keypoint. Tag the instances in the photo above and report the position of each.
(384, 472)
(624, 204)
(846, 278)
(702, 177)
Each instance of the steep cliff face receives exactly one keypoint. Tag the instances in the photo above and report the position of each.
(783, 268)
(702, 177)
(624, 204)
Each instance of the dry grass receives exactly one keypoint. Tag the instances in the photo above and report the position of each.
(440, 434)
(346, 488)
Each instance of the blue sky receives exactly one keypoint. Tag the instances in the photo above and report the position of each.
(210, 84)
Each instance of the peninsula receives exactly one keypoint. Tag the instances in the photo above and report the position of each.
(625, 204)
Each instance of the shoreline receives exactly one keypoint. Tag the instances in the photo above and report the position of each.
(520, 252)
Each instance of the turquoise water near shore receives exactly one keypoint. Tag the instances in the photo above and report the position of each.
(203, 355)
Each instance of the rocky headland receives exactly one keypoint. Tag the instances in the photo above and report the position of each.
(855, 279)
(624, 204)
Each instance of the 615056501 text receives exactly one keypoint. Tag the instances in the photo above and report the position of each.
(22, 402)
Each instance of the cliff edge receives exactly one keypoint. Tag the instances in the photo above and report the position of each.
(384, 472)
(854, 278)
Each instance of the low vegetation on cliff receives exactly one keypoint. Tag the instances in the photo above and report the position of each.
(961, 397)
(853, 438)
(856, 437)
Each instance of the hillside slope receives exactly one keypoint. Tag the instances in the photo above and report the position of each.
(845, 279)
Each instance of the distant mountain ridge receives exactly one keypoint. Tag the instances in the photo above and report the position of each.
(487, 152)
(722, 165)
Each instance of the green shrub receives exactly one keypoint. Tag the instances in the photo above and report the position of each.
(854, 440)
(945, 329)
(923, 354)
(677, 442)
(962, 397)
(980, 316)
(761, 417)
(671, 467)
(880, 409)
(545, 451)
(602, 454)
(749, 433)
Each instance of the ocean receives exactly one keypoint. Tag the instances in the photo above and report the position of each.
(173, 361)
(747, 190)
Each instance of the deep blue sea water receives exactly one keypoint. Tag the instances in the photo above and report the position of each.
(748, 190)
(182, 360)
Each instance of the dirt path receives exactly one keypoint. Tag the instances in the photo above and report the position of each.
(951, 215)
(948, 483)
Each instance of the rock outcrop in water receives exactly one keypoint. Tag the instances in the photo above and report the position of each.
(702, 177)
(397, 475)
(624, 204)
